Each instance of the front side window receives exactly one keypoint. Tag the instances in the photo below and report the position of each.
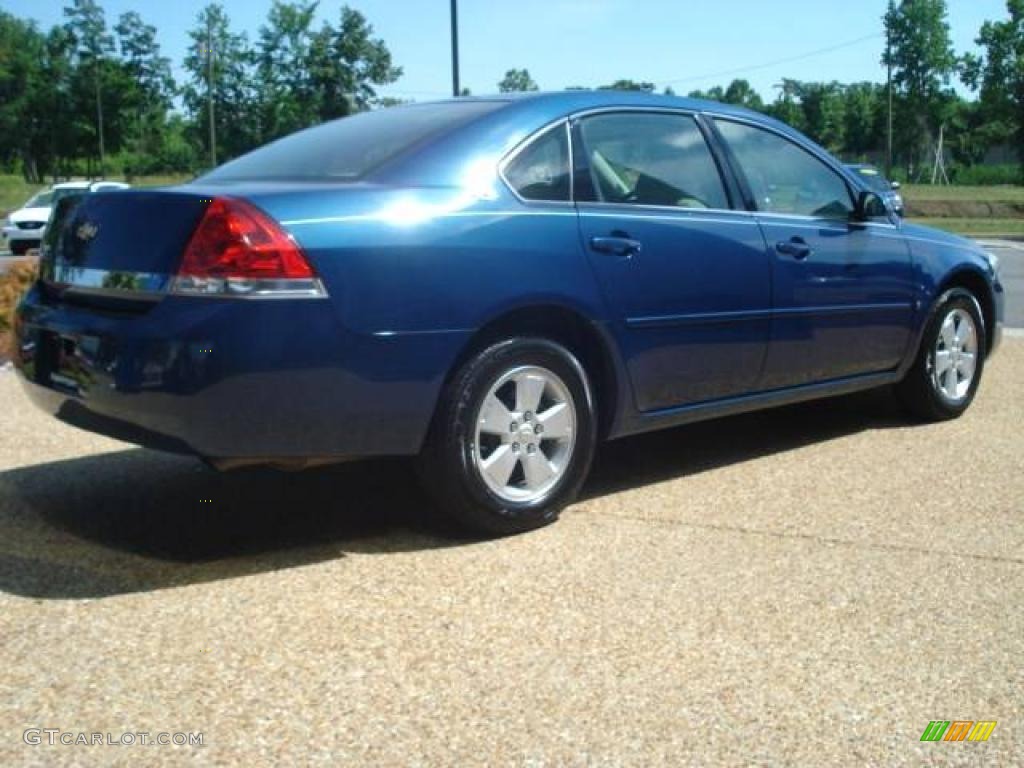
(541, 171)
(785, 178)
(651, 159)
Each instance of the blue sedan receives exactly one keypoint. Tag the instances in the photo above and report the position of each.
(495, 285)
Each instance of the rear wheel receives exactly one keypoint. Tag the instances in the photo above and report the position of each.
(513, 438)
(944, 379)
(19, 247)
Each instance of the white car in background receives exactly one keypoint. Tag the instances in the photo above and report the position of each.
(24, 227)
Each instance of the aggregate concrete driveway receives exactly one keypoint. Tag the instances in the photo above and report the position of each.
(808, 586)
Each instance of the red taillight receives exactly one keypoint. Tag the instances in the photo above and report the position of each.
(236, 240)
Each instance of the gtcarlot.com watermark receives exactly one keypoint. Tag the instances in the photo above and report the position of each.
(55, 736)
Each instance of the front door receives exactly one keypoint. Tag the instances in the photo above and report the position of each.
(842, 290)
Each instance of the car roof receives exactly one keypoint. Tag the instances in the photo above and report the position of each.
(577, 100)
(517, 116)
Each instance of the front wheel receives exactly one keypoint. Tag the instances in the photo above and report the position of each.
(513, 438)
(944, 379)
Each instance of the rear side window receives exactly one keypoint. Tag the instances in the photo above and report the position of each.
(651, 159)
(785, 178)
(347, 149)
(541, 171)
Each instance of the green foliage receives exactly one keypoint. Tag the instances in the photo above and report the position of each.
(220, 65)
(1000, 75)
(921, 56)
(986, 175)
(739, 92)
(628, 85)
(82, 98)
(517, 81)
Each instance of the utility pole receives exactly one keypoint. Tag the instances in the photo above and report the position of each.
(455, 49)
(888, 60)
(209, 90)
(99, 117)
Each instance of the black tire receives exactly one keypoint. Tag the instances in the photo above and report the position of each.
(19, 247)
(447, 465)
(919, 392)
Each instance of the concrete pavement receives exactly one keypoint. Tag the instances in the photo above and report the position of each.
(807, 586)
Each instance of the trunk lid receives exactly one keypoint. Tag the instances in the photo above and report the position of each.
(118, 240)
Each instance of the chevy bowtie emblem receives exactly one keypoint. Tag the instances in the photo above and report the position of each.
(86, 231)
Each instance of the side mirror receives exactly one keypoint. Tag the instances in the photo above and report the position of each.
(870, 206)
(895, 184)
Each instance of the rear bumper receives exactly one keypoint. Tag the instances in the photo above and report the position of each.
(225, 378)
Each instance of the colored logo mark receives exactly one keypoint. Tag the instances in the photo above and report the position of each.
(958, 730)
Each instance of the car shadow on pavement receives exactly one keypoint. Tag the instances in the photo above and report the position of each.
(137, 520)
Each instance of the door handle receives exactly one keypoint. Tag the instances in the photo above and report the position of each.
(620, 246)
(797, 247)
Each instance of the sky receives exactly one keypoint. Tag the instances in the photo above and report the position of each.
(688, 44)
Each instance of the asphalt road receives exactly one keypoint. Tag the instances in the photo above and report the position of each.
(807, 586)
(1011, 270)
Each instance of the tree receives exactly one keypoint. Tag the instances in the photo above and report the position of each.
(148, 88)
(716, 93)
(787, 106)
(742, 94)
(346, 64)
(864, 118)
(739, 92)
(628, 85)
(922, 60)
(1000, 75)
(517, 81)
(287, 98)
(93, 45)
(21, 45)
(224, 85)
(823, 113)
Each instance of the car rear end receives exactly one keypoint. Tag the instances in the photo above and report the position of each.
(188, 323)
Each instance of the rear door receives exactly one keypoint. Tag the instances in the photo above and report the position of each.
(842, 290)
(687, 277)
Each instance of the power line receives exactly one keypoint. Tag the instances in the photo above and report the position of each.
(766, 65)
(712, 75)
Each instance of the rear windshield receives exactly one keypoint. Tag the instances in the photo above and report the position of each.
(349, 148)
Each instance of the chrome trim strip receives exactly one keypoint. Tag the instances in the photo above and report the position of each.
(671, 208)
(630, 108)
(254, 288)
(103, 281)
(154, 285)
(677, 214)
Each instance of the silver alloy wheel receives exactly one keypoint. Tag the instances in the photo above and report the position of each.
(525, 434)
(954, 358)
